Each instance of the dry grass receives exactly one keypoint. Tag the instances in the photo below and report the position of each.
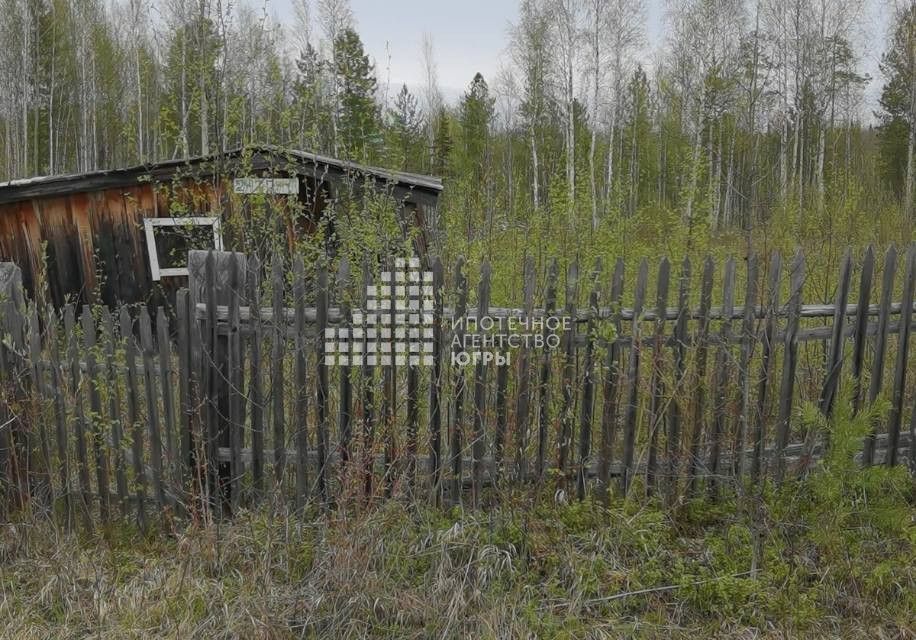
(524, 570)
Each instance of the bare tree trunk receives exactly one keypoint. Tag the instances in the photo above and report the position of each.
(911, 139)
(535, 169)
(596, 61)
(910, 148)
(570, 136)
(609, 180)
(821, 151)
(695, 164)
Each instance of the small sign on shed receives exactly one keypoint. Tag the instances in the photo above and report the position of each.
(273, 186)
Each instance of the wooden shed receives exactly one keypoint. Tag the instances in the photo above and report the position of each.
(104, 236)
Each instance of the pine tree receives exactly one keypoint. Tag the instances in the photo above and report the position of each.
(357, 116)
(442, 144)
(312, 114)
(898, 104)
(407, 126)
(475, 114)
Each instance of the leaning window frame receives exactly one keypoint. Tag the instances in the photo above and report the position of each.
(149, 224)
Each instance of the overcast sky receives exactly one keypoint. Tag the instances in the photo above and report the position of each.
(472, 35)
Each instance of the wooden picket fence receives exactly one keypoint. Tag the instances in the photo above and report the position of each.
(225, 402)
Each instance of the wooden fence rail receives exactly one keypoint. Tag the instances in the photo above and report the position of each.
(215, 404)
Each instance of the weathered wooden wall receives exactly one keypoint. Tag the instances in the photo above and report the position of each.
(91, 244)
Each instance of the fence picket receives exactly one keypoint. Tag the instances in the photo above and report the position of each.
(701, 346)
(114, 410)
(479, 443)
(767, 347)
(345, 415)
(723, 369)
(412, 357)
(458, 389)
(588, 388)
(168, 401)
(680, 373)
(43, 483)
(657, 401)
(790, 362)
(256, 383)
(278, 338)
(568, 377)
(301, 340)
(368, 391)
(748, 341)
(861, 326)
(877, 369)
(629, 435)
(133, 414)
(903, 344)
(523, 399)
(435, 387)
(152, 407)
(550, 301)
(321, 386)
(610, 387)
(234, 389)
(835, 352)
(95, 406)
(184, 315)
(60, 420)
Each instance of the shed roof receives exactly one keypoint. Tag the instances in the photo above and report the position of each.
(262, 156)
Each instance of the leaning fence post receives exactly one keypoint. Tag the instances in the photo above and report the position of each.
(906, 315)
(768, 344)
(861, 326)
(835, 356)
(877, 369)
(657, 410)
(790, 362)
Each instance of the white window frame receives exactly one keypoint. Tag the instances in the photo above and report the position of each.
(149, 224)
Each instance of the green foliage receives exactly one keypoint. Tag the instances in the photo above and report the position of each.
(898, 64)
(357, 113)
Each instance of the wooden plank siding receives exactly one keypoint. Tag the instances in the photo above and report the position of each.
(88, 230)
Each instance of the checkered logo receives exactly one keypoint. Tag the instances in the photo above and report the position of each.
(395, 328)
